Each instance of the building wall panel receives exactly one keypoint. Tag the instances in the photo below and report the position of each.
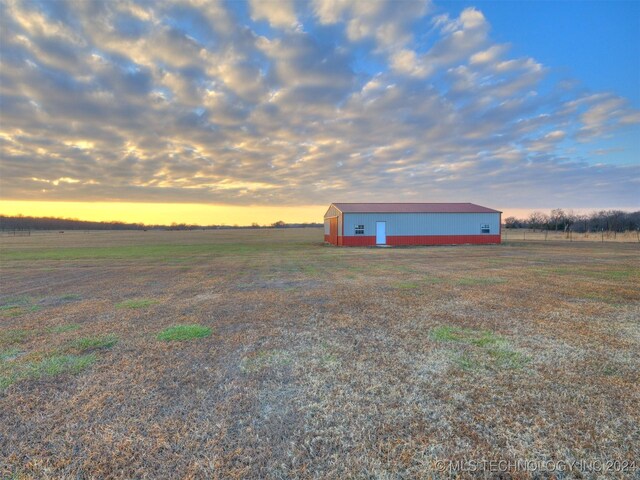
(332, 212)
(423, 224)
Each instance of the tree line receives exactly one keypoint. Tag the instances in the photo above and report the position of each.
(565, 220)
(21, 222)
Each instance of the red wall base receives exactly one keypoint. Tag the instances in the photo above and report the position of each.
(359, 241)
(333, 241)
(369, 241)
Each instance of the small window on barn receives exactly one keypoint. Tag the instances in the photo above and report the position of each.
(359, 229)
(484, 228)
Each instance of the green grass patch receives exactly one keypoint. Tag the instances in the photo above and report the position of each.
(59, 364)
(48, 366)
(500, 261)
(504, 357)
(87, 344)
(480, 348)
(13, 302)
(310, 270)
(12, 336)
(472, 281)
(184, 332)
(624, 274)
(469, 336)
(264, 359)
(137, 303)
(17, 311)
(621, 274)
(69, 297)
(69, 327)
(432, 280)
(407, 285)
(165, 253)
(16, 306)
(9, 354)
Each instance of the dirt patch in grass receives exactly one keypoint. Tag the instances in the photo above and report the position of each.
(184, 332)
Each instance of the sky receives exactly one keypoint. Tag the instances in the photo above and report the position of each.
(239, 112)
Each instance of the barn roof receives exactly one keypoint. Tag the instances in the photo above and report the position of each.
(412, 208)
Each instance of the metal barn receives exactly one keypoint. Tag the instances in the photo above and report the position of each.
(370, 224)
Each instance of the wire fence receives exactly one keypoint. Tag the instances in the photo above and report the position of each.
(16, 232)
(524, 234)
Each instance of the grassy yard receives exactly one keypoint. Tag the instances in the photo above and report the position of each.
(266, 354)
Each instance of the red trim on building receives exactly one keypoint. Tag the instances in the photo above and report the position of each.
(396, 240)
(359, 241)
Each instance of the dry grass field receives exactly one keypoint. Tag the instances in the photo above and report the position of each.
(266, 354)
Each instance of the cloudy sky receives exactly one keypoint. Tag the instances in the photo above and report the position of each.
(297, 104)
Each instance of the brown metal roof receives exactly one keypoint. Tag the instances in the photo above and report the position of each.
(412, 208)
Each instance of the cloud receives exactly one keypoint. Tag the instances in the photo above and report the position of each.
(197, 102)
(279, 14)
(382, 21)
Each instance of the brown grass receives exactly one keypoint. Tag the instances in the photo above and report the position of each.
(322, 362)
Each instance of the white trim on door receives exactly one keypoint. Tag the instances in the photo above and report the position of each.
(381, 233)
